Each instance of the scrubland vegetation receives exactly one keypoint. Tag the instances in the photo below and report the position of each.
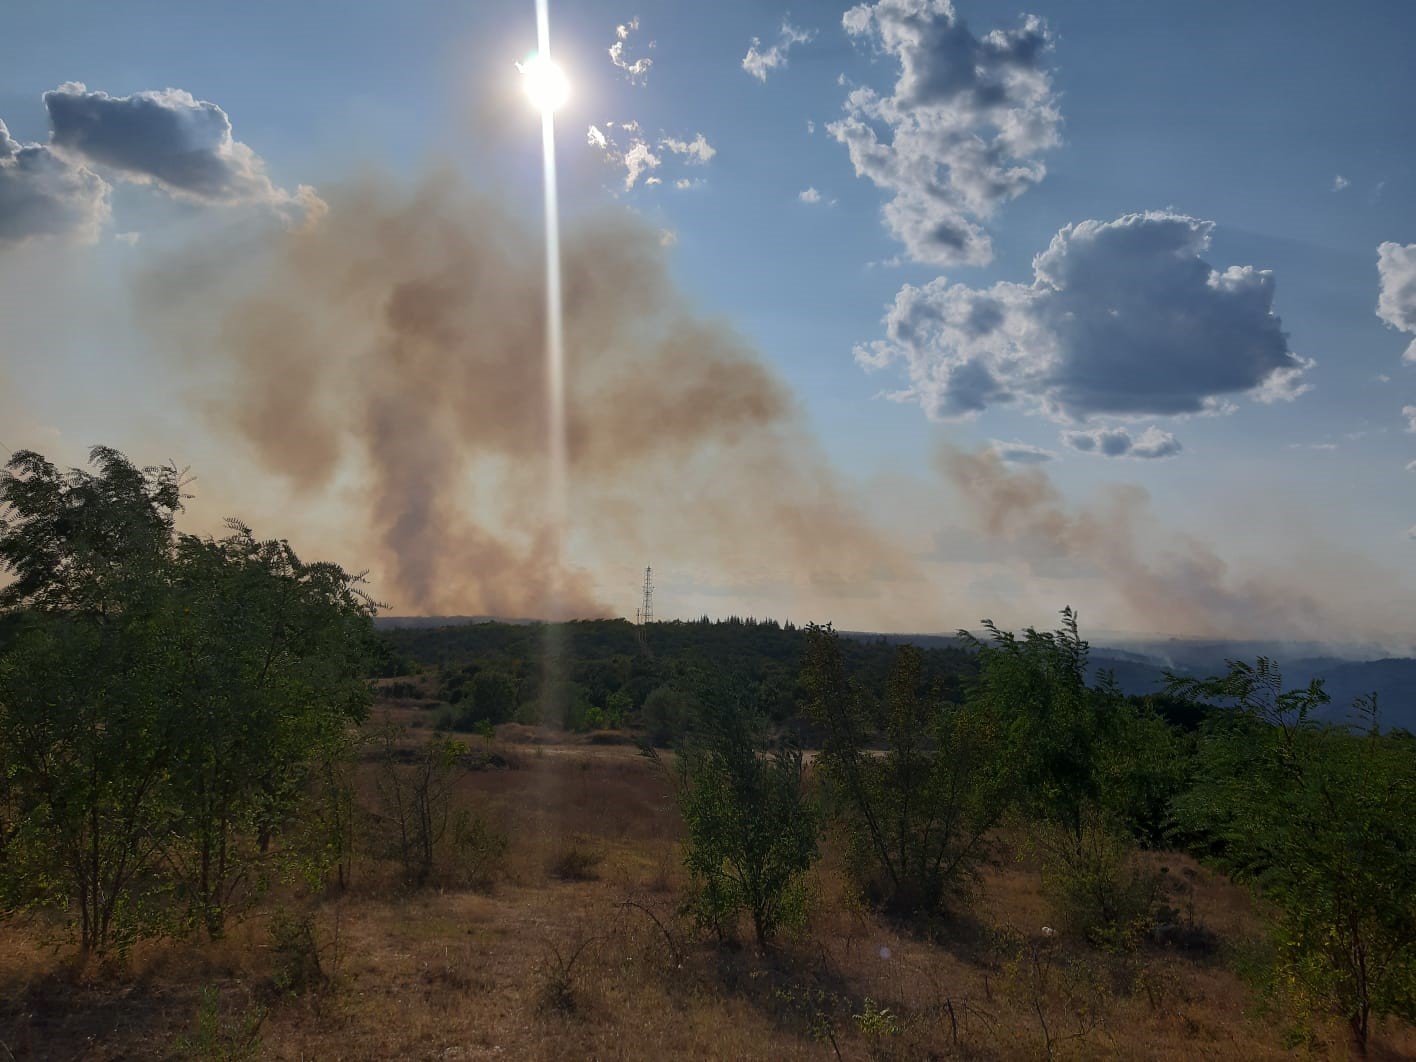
(236, 822)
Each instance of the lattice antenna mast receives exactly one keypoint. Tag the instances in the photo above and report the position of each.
(646, 608)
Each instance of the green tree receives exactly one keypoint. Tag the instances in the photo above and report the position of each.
(161, 696)
(1096, 772)
(920, 808)
(751, 828)
(667, 715)
(269, 660)
(493, 696)
(84, 735)
(1323, 821)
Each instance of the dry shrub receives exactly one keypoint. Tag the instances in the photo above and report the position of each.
(476, 852)
(557, 990)
(575, 862)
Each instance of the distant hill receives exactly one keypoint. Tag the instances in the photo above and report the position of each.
(393, 623)
(1393, 680)
(1139, 668)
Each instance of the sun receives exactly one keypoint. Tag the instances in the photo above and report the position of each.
(545, 83)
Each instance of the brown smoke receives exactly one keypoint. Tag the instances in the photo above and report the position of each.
(1166, 581)
(399, 344)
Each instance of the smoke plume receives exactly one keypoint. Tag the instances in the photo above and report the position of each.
(1165, 581)
(398, 345)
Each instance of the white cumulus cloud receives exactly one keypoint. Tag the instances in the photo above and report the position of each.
(638, 70)
(1122, 318)
(759, 61)
(1339, 183)
(638, 160)
(1396, 305)
(697, 150)
(961, 131)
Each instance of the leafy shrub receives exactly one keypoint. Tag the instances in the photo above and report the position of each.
(557, 990)
(295, 954)
(1320, 819)
(668, 714)
(752, 829)
(1098, 890)
(919, 813)
(223, 1040)
(165, 696)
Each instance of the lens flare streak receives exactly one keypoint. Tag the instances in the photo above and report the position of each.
(553, 706)
(555, 339)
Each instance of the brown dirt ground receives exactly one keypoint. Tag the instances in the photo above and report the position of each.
(448, 974)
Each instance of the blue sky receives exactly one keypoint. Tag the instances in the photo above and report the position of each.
(1157, 150)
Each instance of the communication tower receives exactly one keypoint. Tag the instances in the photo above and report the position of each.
(646, 608)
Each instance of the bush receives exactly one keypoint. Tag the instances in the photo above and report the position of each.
(574, 863)
(218, 1040)
(478, 852)
(416, 799)
(918, 814)
(1320, 819)
(164, 696)
(668, 714)
(295, 953)
(751, 828)
(1098, 890)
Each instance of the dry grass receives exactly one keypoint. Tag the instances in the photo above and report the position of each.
(571, 965)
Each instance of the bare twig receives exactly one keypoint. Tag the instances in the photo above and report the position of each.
(674, 949)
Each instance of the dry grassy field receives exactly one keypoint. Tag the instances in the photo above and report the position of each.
(574, 949)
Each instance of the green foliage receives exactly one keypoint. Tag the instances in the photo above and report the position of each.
(668, 714)
(920, 810)
(162, 697)
(876, 1023)
(1321, 820)
(1097, 772)
(1097, 887)
(613, 673)
(268, 658)
(215, 1039)
(751, 828)
(84, 734)
(326, 832)
(295, 954)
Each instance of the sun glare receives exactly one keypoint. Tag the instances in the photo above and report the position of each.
(545, 83)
